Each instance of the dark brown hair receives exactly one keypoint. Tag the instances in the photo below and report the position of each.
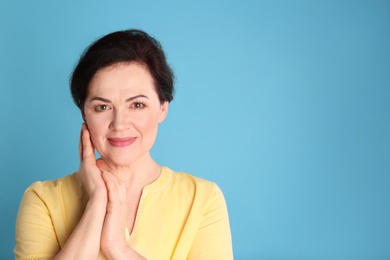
(117, 47)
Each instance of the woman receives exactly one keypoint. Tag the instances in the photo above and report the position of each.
(123, 205)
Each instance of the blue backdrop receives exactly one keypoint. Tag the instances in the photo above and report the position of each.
(285, 104)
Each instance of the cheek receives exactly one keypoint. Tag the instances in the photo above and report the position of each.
(95, 127)
(145, 123)
(94, 133)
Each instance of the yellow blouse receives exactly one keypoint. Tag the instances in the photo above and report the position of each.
(179, 217)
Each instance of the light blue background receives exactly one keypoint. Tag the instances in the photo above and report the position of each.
(285, 104)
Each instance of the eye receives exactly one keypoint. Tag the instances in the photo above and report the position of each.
(100, 108)
(138, 105)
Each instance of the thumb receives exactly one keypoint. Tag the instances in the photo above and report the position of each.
(101, 164)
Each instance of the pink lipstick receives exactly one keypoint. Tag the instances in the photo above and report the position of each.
(121, 142)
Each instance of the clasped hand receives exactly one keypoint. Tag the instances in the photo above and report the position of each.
(109, 191)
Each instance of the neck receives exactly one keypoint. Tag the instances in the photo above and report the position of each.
(137, 174)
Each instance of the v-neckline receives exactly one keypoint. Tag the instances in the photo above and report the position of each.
(159, 184)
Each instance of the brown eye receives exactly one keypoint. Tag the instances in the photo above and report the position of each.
(138, 105)
(100, 108)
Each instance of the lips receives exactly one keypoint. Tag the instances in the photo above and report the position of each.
(121, 142)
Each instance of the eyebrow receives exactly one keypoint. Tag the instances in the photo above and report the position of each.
(109, 101)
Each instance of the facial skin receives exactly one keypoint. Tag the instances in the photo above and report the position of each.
(122, 111)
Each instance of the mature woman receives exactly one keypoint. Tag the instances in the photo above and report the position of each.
(123, 205)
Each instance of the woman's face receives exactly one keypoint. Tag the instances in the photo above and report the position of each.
(122, 111)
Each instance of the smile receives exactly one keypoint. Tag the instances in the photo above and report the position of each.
(121, 142)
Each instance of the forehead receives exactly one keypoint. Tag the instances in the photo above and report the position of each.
(122, 77)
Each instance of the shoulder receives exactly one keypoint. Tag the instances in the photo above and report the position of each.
(184, 178)
(187, 184)
(52, 188)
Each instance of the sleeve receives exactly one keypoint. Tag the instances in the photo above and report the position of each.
(213, 239)
(35, 235)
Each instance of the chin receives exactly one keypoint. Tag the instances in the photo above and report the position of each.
(121, 160)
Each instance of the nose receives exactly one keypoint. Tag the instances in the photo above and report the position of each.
(119, 120)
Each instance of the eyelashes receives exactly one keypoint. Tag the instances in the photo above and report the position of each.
(101, 107)
(137, 105)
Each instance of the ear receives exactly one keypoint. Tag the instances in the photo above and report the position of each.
(163, 111)
(83, 116)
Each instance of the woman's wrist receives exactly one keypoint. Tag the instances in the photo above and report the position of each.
(98, 200)
(123, 252)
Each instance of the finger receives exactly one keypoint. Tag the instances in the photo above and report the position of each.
(102, 164)
(87, 147)
(112, 193)
(80, 148)
(115, 189)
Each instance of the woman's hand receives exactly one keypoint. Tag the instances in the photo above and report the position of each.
(102, 184)
(84, 242)
(89, 171)
(113, 238)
